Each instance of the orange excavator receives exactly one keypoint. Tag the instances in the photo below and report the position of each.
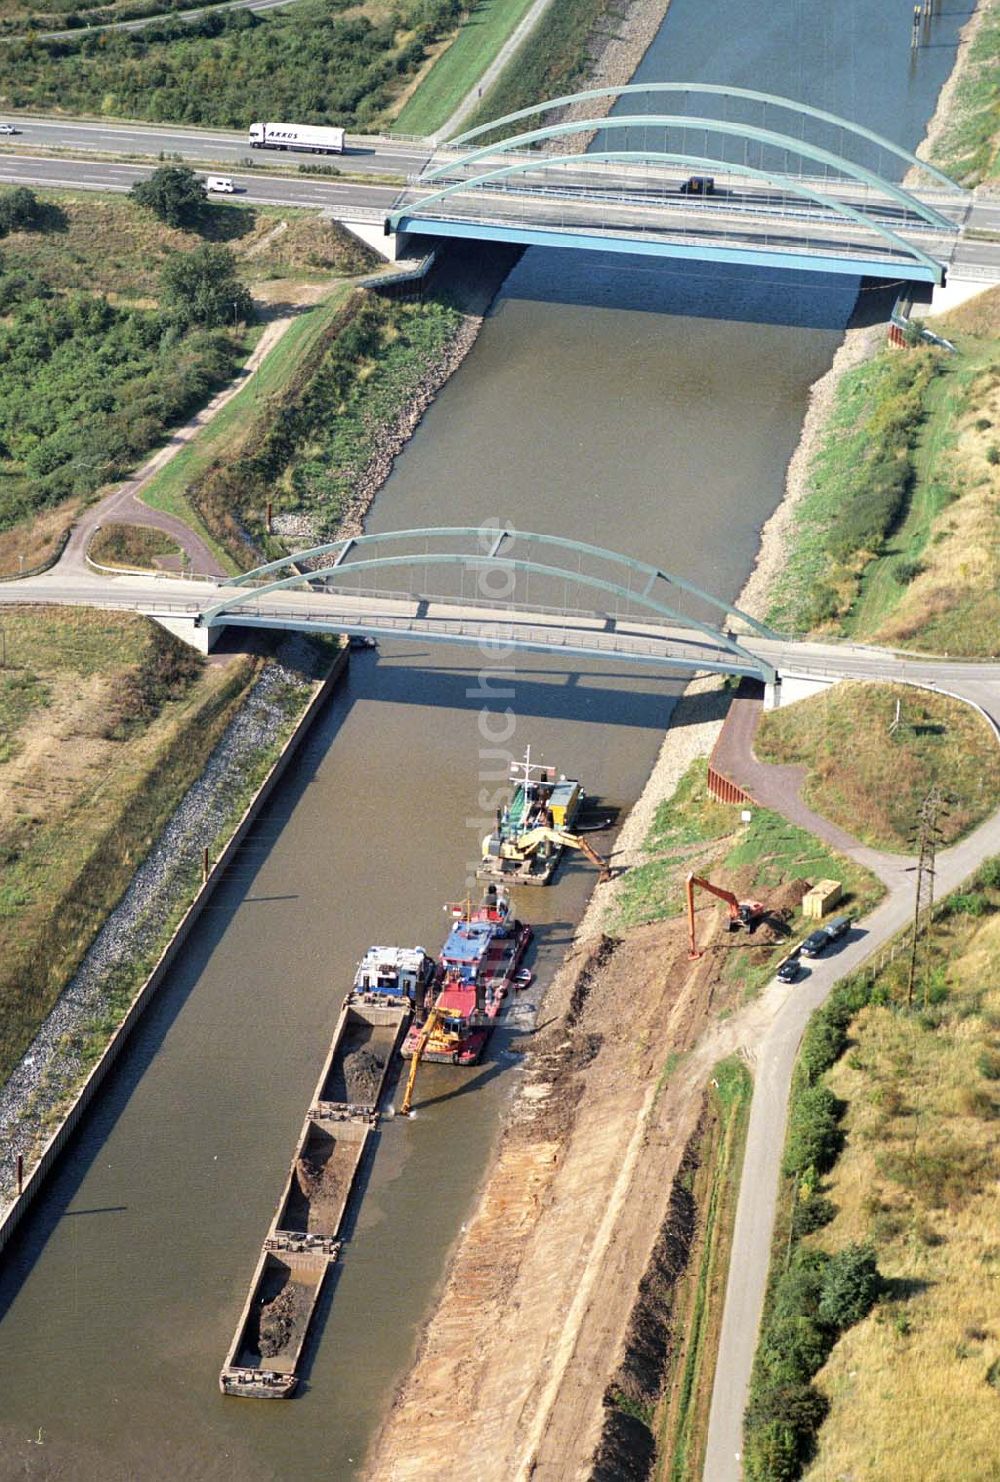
(741, 913)
(430, 1024)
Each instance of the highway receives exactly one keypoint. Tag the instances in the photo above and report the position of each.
(363, 155)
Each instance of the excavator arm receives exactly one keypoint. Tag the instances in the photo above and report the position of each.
(741, 913)
(418, 1054)
(529, 843)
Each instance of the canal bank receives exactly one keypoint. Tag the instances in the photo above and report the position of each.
(601, 400)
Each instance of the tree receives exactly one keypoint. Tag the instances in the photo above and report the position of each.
(201, 287)
(851, 1285)
(173, 193)
(19, 210)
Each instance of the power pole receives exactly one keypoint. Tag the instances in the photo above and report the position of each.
(927, 838)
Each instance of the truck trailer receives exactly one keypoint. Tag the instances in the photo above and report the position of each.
(308, 138)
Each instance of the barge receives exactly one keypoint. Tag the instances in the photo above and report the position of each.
(477, 967)
(542, 806)
(303, 1240)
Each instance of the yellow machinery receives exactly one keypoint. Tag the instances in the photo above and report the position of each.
(526, 845)
(429, 1026)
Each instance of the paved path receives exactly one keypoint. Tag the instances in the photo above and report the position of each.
(124, 504)
(774, 1062)
(471, 101)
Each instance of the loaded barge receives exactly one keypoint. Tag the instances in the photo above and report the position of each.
(303, 1241)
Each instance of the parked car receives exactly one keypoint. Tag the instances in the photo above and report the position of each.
(8, 129)
(789, 970)
(838, 927)
(815, 943)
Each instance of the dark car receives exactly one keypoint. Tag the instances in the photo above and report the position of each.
(838, 927)
(815, 943)
(789, 970)
(698, 185)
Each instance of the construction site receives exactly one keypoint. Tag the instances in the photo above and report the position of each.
(561, 1329)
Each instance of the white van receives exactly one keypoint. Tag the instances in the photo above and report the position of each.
(221, 183)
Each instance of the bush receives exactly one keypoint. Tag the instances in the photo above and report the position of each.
(907, 571)
(794, 1349)
(811, 1214)
(814, 1137)
(782, 1422)
(823, 1044)
(174, 194)
(201, 287)
(19, 210)
(850, 1287)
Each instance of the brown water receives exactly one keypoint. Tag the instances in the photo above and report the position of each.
(641, 409)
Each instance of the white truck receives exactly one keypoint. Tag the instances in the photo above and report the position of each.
(306, 137)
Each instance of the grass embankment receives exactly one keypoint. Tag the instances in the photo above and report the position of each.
(898, 538)
(135, 546)
(343, 395)
(106, 721)
(891, 1159)
(692, 832)
(969, 148)
(319, 61)
(453, 74)
(682, 1426)
(553, 59)
(869, 773)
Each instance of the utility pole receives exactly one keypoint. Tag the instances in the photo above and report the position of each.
(927, 838)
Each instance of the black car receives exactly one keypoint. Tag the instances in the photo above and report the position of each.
(815, 943)
(789, 970)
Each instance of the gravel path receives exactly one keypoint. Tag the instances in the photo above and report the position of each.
(49, 1072)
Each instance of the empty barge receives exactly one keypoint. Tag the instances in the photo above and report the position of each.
(303, 1241)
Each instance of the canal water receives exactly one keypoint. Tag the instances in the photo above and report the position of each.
(649, 409)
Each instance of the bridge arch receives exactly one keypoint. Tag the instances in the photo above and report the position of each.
(636, 583)
(802, 110)
(785, 142)
(544, 162)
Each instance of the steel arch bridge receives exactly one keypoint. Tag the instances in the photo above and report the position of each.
(503, 589)
(832, 212)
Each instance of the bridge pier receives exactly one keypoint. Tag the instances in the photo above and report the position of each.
(202, 638)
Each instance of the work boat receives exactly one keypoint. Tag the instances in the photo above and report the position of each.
(476, 968)
(534, 828)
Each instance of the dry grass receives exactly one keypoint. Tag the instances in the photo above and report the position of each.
(109, 245)
(84, 786)
(135, 546)
(871, 778)
(37, 540)
(910, 1400)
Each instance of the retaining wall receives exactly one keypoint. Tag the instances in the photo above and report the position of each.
(89, 1089)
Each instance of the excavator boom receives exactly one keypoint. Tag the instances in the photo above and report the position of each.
(741, 913)
(527, 844)
(418, 1054)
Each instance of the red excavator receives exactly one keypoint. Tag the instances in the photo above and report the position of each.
(741, 913)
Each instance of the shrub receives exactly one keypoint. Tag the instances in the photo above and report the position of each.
(811, 1214)
(850, 1287)
(782, 1421)
(793, 1349)
(822, 1045)
(988, 1063)
(19, 210)
(174, 194)
(988, 874)
(814, 1137)
(907, 571)
(201, 287)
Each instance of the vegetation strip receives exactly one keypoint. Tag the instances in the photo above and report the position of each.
(906, 1184)
(42, 1102)
(453, 74)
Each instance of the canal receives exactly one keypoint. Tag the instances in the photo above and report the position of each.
(649, 409)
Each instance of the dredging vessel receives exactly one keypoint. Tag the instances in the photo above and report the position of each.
(303, 1240)
(534, 827)
(476, 968)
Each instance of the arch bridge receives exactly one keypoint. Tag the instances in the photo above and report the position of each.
(704, 172)
(498, 590)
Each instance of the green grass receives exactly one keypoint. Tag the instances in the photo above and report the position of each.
(167, 490)
(693, 832)
(681, 1441)
(869, 775)
(968, 149)
(454, 73)
(131, 545)
(549, 62)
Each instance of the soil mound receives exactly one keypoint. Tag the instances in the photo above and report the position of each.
(277, 1319)
(363, 1070)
